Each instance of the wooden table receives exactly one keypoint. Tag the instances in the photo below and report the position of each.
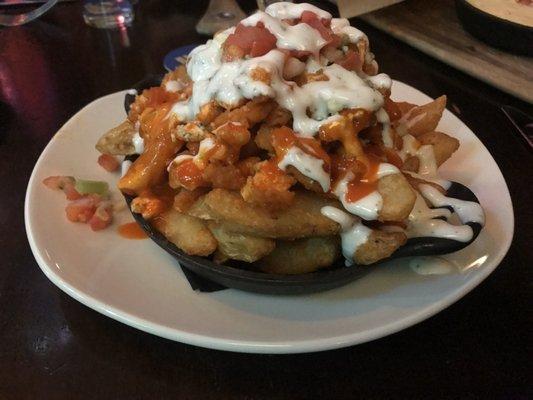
(52, 347)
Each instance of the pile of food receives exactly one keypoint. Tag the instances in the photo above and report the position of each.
(278, 145)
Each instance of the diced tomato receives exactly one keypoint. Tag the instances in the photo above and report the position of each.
(322, 26)
(350, 61)
(252, 40)
(108, 162)
(58, 182)
(71, 193)
(64, 183)
(81, 210)
(102, 217)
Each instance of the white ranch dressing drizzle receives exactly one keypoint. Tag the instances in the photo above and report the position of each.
(301, 36)
(421, 222)
(230, 82)
(427, 169)
(205, 145)
(138, 143)
(353, 232)
(287, 10)
(386, 134)
(308, 165)
(173, 86)
(341, 26)
(467, 211)
(124, 167)
(369, 206)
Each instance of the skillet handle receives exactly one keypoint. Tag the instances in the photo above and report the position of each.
(428, 246)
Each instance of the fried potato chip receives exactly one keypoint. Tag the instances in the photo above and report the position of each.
(398, 198)
(443, 145)
(301, 256)
(118, 141)
(379, 245)
(237, 246)
(189, 234)
(301, 219)
(404, 106)
(425, 118)
(414, 182)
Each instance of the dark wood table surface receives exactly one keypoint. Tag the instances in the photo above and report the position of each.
(52, 347)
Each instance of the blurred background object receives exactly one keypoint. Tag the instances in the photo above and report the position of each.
(506, 24)
(433, 27)
(262, 4)
(220, 14)
(351, 8)
(21, 19)
(108, 14)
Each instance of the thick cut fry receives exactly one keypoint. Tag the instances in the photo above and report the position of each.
(301, 256)
(118, 141)
(398, 198)
(237, 246)
(188, 233)
(150, 167)
(379, 245)
(443, 145)
(411, 163)
(422, 119)
(303, 218)
(249, 114)
(186, 198)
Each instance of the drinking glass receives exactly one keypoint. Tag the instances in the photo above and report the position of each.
(108, 14)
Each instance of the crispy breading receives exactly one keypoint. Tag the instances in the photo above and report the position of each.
(263, 138)
(190, 132)
(302, 219)
(237, 246)
(301, 256)
(189, 234)
(398, 198)
(118, 141)
(379, 245)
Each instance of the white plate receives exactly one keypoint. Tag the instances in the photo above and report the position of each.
(137, 283)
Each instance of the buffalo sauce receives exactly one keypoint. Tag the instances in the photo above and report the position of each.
(131, 230)
(357, 189)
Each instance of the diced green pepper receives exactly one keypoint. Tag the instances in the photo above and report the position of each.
(87, 187)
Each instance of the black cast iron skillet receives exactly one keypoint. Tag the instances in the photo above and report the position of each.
(495, 31)
(239, 275)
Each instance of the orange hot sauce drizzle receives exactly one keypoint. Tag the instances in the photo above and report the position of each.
(189, 175)
(131, 230)
(367, 184)
(284, 138)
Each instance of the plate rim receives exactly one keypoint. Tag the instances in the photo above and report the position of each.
(250, 346)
